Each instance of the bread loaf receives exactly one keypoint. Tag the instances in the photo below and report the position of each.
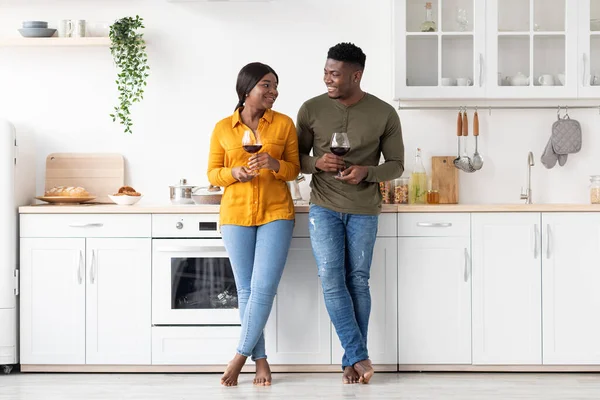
(67, 191)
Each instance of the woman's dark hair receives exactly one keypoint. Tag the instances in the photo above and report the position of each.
(248, 77)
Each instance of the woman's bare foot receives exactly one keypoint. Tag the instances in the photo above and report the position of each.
(230, 376)
(350, 375)
(263, 373)
(365, 370)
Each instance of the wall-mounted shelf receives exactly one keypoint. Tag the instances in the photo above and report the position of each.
(54, 41)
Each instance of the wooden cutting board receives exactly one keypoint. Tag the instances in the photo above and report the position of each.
(444, 177)
(100, 174)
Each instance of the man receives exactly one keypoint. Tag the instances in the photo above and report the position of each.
(344, 209)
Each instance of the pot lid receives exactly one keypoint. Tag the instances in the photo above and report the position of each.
(183, 183)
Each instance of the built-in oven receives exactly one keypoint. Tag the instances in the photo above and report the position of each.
(192, 278)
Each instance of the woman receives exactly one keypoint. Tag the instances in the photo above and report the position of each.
(257, 211)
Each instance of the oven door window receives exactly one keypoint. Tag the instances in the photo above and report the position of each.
(202, 283)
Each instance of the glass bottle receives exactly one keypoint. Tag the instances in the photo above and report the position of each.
(428, 25)
(595, 189)
(418, 182)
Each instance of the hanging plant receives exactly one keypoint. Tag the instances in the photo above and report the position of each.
(128, 49)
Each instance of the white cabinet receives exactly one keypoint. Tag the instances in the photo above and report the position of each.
(589, 49)
(118, 312)
(52, 301)
(84, 301)
(500, 49)
(537, 39)
(382, 335)
(571, 278)
(446, 63)
(506, 288)
(434, 289)
(299, 329)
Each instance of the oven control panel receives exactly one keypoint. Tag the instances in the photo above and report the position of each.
(185, 226)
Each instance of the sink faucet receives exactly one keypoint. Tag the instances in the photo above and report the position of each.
(527, 194)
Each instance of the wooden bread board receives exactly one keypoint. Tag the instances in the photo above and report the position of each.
(444, 177)
(100, 174)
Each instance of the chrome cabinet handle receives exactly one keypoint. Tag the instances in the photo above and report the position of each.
(535, 241)
(93, 267)
(467, 265)
(189, 249)
(80, 268)
(16, 276)
(584, 56)
(547, 240)
(89, 225)
(434, 224)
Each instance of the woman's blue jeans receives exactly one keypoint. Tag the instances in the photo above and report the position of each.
(343, 248)
(257, 255)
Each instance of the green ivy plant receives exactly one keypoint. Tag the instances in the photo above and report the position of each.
(128, 49)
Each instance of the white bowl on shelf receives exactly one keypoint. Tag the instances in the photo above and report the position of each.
(125, 200)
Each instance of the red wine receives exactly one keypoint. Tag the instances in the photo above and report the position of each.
(253, 148)
(339, 151)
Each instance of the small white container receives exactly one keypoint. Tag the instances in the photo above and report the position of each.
(125, 200)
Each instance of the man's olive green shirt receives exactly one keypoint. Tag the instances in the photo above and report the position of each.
(373, 128)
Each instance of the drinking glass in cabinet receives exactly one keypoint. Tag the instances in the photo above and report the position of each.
(457, 16)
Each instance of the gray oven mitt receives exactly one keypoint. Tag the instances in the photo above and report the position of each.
(566, 139)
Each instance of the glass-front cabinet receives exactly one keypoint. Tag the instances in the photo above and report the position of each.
(589, 48)
(496, 49)
(439, 47)
(532, 48)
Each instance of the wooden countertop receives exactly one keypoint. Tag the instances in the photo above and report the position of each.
(387, 208)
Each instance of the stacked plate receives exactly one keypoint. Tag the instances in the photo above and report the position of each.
(36, 29)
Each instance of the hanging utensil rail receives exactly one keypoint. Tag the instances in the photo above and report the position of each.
(490, 108)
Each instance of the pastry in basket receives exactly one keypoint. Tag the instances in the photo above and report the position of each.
(127, 191)
(67, 191)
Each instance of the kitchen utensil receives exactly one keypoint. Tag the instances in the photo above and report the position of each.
(456, 161)
(182, 193)
(100, 174)
(477, 161)
(65, 199)
(444, 177)
(465, 160)
(125, 200)
(207, 195)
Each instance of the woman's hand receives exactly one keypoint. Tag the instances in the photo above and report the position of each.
(242, 174)
(264, 161)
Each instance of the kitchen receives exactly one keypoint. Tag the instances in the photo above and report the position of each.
(62, 96)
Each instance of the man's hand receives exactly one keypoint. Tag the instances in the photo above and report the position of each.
(242, 174)
(353, 174)
(263, 160)
(330, 163)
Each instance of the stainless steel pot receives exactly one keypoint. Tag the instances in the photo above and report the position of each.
(182, 193)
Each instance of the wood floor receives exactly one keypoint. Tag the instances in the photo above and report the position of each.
(291, 386)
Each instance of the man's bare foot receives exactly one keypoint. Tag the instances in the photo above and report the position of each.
(350, 376)
(263, 373)
(230, 376)
(365, 370)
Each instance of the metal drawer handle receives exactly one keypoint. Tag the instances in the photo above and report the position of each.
(93, 267)
(434, 224)
(535, 241)
(190, 249)
(90, 225)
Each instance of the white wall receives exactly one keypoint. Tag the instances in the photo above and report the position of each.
(63, 95)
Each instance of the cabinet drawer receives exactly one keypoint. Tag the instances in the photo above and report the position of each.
(194, 345)
(85, 225)
(434, 224)
(386, 228)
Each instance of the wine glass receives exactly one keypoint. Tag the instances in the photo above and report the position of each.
(340, 146)
(461, 19)
(251, 145)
